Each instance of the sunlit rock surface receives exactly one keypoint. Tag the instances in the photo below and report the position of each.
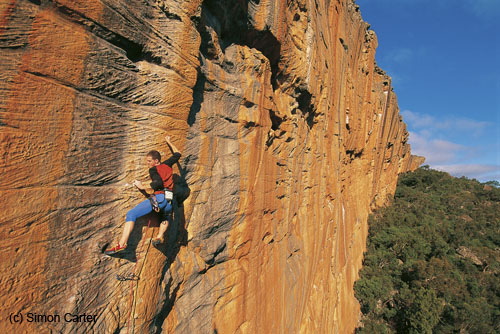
(290, 135)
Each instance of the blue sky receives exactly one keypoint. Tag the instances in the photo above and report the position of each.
(444, 59)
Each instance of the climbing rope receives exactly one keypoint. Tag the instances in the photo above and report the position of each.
(135, 277)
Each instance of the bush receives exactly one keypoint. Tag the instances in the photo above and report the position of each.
(416, 276)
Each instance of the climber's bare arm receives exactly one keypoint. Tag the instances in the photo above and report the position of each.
(141, 187)
(172, 146)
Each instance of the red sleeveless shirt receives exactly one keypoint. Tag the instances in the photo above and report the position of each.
(165, 172)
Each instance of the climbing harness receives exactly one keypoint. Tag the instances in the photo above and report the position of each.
(169, 195)
(154, 203)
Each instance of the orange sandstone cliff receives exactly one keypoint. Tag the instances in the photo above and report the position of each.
(290, 135)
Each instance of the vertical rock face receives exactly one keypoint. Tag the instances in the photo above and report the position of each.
(289, 134)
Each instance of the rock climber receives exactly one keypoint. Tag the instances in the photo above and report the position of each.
(160, 201)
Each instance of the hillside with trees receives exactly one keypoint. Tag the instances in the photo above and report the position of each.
(433, 258)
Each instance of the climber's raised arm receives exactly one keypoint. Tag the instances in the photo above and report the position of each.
(172, 146)
(176, 153)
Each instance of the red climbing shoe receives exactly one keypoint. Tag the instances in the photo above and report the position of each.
(114, 250)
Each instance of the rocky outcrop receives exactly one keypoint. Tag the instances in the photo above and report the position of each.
(289, 134)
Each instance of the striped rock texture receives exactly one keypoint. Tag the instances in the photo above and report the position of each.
(289, 133)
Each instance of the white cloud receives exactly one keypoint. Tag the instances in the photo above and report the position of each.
(475, 171)
(435, 151)
(450, 123)
(429, 137)
(417, 120)
(474, 126)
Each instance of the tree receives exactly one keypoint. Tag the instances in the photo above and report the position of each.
(424, 313)
(493, 183)
(414, 278)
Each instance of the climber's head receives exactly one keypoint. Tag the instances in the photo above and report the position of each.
(153, 158)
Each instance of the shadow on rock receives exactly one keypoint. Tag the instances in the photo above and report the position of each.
(175, 238)
(136, 244)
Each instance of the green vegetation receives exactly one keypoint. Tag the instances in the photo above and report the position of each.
(433, 258)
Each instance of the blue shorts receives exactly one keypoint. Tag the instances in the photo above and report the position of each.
(144, 208)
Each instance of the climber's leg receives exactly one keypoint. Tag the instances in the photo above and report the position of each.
(161, 232)
(141, 209)
(127, 230)
(166, 217)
